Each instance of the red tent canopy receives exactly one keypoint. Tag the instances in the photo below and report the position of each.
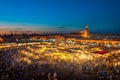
(100, 52)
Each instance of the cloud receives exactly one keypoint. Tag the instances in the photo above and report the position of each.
(61, 27)
(4, 29)
(28, 28)
(18, 28)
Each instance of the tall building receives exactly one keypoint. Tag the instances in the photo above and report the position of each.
(82, 34)
(85, 33)
(86, 28)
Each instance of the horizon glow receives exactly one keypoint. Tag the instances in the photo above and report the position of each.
(101, 16)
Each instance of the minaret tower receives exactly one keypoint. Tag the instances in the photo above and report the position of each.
(86, 32)
(86, 28)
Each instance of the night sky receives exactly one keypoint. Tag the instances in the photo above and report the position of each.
(60, 15)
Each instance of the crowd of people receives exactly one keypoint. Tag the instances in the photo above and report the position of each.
(32, 63)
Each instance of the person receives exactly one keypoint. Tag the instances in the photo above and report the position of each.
(55, 76)
(49, 75)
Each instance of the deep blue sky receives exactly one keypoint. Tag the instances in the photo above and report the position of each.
(62, 15)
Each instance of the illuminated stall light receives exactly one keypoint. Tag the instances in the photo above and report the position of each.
(19, 44)
(70, 42)
(108, 45)
(119, 45)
